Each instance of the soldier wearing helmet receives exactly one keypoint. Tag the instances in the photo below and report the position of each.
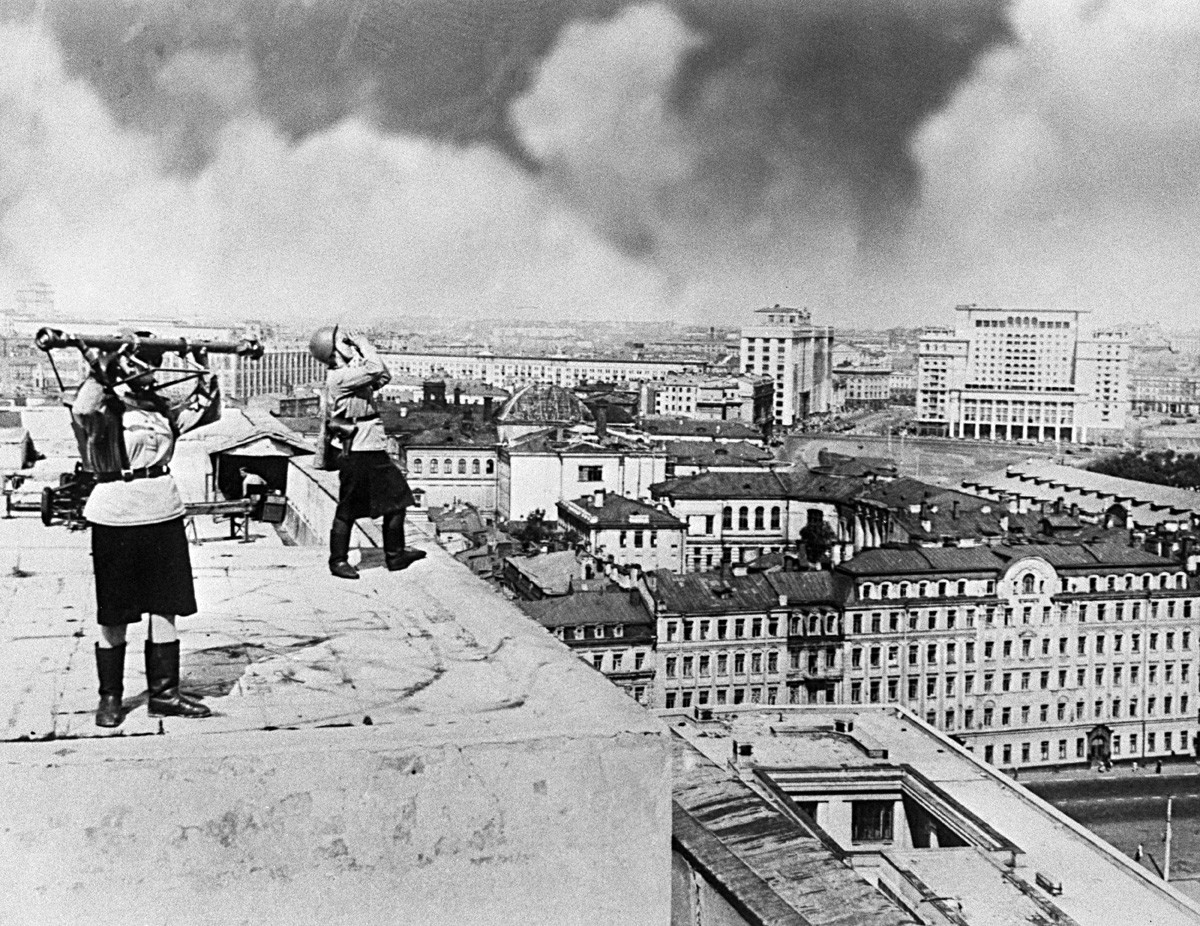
(371, 485)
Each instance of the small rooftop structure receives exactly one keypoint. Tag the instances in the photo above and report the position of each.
(945, 837)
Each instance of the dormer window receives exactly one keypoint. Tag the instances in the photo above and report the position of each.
(1027, 583)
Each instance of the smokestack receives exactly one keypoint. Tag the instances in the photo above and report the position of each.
(487, 408)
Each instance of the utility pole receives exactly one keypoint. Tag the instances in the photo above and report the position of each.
(1167, 840)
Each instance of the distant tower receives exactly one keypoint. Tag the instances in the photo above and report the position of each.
(785, 345)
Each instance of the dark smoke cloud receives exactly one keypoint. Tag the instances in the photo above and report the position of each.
(840, 83)
(879, 161)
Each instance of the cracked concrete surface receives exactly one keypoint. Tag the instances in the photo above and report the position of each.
(405, 748)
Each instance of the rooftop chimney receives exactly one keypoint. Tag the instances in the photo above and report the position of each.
(487, 408)
(600, 412)
(598, 498)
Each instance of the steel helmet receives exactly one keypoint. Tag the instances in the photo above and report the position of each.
(323, 344)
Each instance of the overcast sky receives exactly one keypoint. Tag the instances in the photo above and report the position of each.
(878, 162)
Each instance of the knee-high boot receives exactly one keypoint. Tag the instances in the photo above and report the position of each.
(339, 550)
(396, 555)
(162, 679)
(110, 667)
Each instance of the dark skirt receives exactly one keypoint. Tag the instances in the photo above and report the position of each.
(140, 570)
(371, 485)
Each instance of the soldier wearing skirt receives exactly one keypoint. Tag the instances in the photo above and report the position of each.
(140, 556)
(371, 485)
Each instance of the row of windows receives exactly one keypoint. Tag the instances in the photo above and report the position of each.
(736, 628)
(1026, 650)
(614, 662)
(1030, 584)
(1006, 749)
(947, 687)
(897, 621)
(743, 518)
(724, 664)
(447, 465)
(589, 631)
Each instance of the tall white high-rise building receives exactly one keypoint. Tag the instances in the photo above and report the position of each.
(1007, 374)
(785, 345)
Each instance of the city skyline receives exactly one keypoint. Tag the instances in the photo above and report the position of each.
(666, 160)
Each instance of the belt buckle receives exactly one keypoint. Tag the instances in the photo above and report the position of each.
(127, 475)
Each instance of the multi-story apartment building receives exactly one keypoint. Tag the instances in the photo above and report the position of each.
(1027, 375)
(866, 387)
(624, 531)
(729, 398)
(785, 345)
(510, 371)
(279, 372)
(538, 470)
(1166, 393)
(738, 516)
(610, 630)
(1034, 654)
(1031, 654)
(448, 468)
(722, 639)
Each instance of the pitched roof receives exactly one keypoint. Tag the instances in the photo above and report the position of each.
(555, 573)
(713, 453)
(765, 484)
(1067, 557)
(602, 607)
(700, 427)
(617, 511)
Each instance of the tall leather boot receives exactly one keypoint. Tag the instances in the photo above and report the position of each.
(162, 679)
(339, 550)
(110, 667)
(395, 555)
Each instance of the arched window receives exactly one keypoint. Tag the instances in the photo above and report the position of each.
(433, 465)
(1181, 580)
(962, 588)
(775, 518)
(922, 590)
(1091, 583)
(941, 589)
(475, 467)
(447, 465)
(885, 590)
(743, 518)
(1146, 581)
(417, 465)
(1027, 584)
(727, 518)
(462, 465)
(759, 513)
(1129, 582)
(489, 467)
(868, 590)
(1112, 583)
(903, 589)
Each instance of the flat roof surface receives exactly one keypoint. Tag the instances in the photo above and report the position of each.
(278, 643)
(1100, 884)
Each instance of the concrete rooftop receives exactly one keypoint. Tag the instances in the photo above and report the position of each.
(407, 747)
(1100, 884)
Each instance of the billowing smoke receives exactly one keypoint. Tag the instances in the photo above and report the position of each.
(689, 159)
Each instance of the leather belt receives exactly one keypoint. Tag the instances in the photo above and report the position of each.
(364, 418)
(128, 475)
